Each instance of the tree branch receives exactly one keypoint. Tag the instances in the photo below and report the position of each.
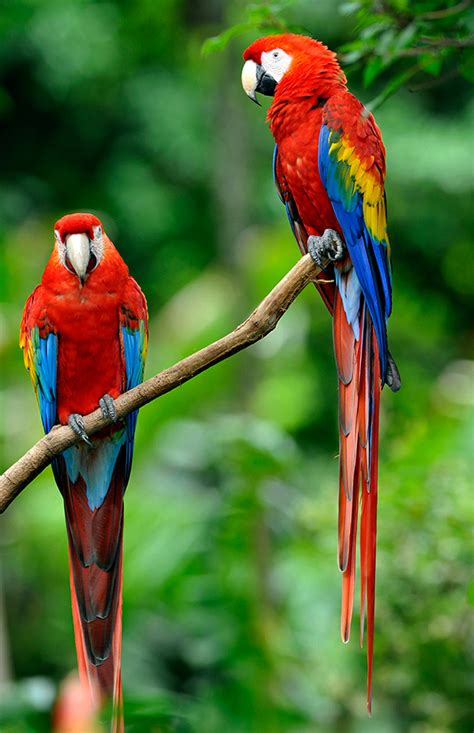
(432, 45)
(439, 14)
(259, 324)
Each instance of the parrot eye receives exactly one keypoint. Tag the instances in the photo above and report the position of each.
(276, 63)
(97, 231)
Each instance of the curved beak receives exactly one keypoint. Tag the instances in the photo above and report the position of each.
(249, 80)
(78, 253)
(256, 79)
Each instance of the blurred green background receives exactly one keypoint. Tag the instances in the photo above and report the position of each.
(231, 587)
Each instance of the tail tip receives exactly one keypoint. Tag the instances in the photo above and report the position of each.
(392, 375)
(369, 703)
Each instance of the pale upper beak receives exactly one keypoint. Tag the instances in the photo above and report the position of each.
(78, 253)
(249, 80)
(256, 79)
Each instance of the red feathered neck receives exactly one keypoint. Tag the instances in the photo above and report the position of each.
(314, 74)
(77, 224)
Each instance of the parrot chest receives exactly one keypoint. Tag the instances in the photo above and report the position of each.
(297, 172)
(90, 359)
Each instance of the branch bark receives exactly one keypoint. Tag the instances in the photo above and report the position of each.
(259, 324)
(432, 45)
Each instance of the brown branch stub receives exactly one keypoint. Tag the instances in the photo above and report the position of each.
(259, 324)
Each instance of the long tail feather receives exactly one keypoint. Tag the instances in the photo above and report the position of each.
(95, 559)
(360, 385)
(372, 497)
(348, 575)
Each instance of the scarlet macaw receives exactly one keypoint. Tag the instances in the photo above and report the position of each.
(329, 170)
(84, 340)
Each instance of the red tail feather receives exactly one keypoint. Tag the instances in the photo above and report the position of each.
(104, 681)
(348, 576)
(95, 560)
(359, 402)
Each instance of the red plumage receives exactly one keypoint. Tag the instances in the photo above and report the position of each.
(310, 92)
(89, 316)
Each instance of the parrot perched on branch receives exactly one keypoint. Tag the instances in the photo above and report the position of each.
(329, 170)
(84, 339)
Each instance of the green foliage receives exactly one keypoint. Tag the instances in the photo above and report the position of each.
(265, 17)
(231, 587)
(397, 40)
(410, 42)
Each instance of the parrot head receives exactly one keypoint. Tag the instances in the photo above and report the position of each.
(286, 57)
(79, 243)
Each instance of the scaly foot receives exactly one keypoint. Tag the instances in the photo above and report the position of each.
(107, 405)
(76, 422)
(328, 248)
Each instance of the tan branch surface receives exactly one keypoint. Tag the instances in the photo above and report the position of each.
(259, 324)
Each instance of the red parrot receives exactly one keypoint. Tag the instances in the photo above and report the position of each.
(84, 340)
(329, 170)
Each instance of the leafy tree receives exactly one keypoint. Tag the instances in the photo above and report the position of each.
(231, 588)
(424, 41)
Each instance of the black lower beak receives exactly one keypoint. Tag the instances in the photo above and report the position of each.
(266, 84)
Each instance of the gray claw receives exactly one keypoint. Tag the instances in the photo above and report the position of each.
(76, 422)
(328, 248)
(107, 405)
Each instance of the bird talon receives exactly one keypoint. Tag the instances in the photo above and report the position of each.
(326, 249)
(107, 405)
(76, 422)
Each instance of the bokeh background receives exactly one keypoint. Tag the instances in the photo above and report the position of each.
(231, 588)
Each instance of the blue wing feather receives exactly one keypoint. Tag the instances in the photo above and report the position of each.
(45, 354)
(369, 256)
(134, 347)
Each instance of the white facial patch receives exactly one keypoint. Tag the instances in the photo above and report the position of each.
(276, 63)
(97, 244)
(74, 248)
(61, 247)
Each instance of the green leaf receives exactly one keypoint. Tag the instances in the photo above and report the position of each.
(349, 8)
(258, 13)
(220, 42)
(400, 4)
(470, 593)
(432, 64)
(406, 37)
(352, 57)
(259, 17)
(268, 14)
(394, 85)
(468, 19)
(466, 67)
(385, 43)
(373, 29)
(372, 70)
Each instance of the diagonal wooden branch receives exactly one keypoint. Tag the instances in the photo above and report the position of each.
(259, 324)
